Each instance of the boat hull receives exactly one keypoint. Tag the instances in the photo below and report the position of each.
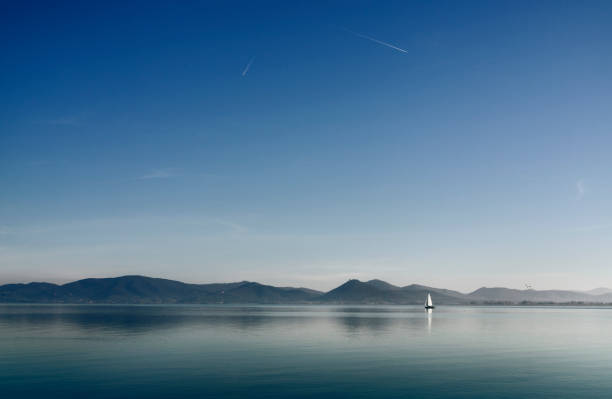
(430, 307)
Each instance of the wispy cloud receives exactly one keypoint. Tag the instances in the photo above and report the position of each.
(165, 173)
(376, 40)
(233, 226)
(580, 189)
(248, 66)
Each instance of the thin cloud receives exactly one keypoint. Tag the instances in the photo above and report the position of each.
(580, 189)
(376, 40)
(233, 226)
(161, 174)
(248, 66)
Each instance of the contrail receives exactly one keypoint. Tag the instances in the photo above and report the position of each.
(376, 41)
(246, 69)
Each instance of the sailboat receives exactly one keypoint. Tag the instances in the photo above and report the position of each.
(429, 303)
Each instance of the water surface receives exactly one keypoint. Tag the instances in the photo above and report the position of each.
(198, 351)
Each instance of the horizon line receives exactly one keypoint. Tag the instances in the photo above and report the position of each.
(290, 286)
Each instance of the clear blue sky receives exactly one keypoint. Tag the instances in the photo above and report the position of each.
(453, 144)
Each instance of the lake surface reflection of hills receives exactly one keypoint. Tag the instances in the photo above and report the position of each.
(200, 351)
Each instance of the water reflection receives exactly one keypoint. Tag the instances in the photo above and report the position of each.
(349, 321)
(88, 319)
(303, 351)
(357, 325)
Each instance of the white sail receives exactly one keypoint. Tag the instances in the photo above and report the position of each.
(428, 303)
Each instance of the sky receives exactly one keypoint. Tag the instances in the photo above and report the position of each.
(451, 144)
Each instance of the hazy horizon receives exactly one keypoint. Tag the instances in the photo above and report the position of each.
(448, 144)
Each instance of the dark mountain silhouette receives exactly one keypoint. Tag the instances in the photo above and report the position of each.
(141, 289)
(416, 293)
(381, 292)
(355, 291)
(248, 292)
(383, 285)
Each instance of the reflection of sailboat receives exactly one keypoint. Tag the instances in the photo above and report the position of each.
(429, 303)
(429, 312)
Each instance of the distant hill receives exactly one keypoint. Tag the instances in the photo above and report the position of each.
(355, 291)
(383, 285)
(140, 289)
(499, 294)
(599, 291)
(381, 292)
(147, 290)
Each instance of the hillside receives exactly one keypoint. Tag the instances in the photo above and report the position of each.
(140, 289)
(500, 294)
(147, 290)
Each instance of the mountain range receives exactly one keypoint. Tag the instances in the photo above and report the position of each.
(148, 290)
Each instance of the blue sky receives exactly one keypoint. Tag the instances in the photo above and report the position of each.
(453, 144)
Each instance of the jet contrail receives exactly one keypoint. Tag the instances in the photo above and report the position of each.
(376, 41)
(246, 69)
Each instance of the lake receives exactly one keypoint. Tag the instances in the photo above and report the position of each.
(194, 351)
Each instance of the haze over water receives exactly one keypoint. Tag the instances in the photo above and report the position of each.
(304, 351)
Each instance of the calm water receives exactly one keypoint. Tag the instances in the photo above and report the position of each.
(304, 351)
